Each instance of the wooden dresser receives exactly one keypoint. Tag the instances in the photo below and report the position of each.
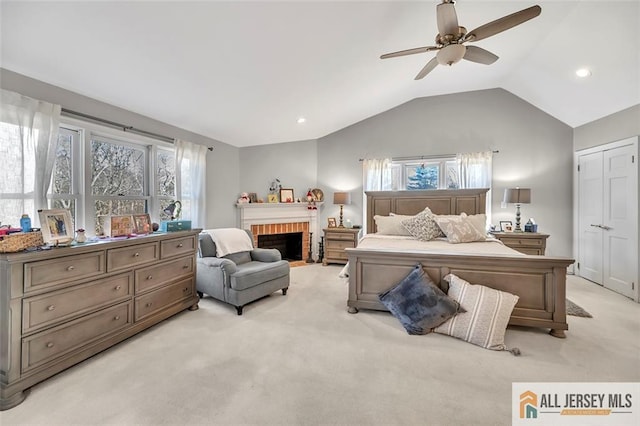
(524, 242)
(63, 305)
(335, 241)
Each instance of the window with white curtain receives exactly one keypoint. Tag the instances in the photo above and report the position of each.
(96, 172)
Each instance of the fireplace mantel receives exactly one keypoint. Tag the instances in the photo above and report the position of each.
(273, 213)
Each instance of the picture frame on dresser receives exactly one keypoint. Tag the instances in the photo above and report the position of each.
(506, 226)
(331, 222)
(56, 226)
(142, 223)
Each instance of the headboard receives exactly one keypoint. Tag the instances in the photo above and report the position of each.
(440, 201)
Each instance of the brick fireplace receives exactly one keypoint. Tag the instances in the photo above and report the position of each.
(281, 218)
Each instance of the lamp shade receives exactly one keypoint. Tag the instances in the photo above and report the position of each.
(517, 195)
(341, 198)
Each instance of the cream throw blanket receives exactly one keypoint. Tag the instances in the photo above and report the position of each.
(230, 240)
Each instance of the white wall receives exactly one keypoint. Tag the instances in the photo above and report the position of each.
(621, 125)
(222, 162)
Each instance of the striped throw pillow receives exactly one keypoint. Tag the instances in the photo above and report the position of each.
(487, 313)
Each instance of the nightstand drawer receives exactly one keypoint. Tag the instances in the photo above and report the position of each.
(339, 236)
(337, 244)
(522, 242)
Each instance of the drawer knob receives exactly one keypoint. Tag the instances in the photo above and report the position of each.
(50, 308)
(185, 266)
(149, 304)
(186, 289)
(71, 268)
(180, 245)
(116, 318)
(136, 255)
(118, 287)
(50, 344)
(150, 277)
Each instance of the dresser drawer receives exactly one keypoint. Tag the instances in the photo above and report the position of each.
(62, 305)
(157, 275)
(177, 246)
(47, 274)
(127, 257)
(337, 254)
(51, 344)
(157, 300)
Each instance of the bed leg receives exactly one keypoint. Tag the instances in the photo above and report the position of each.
(555, 332)
(352, 310)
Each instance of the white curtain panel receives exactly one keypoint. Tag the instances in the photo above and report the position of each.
(474, 171)
(378, 175)
(191, 168)
(37, 123)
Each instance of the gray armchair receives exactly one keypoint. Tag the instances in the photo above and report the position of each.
(240, 278)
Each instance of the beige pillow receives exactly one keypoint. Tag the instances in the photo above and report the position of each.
(487, 314)
(423, 226)
(460, 229)
(390, 225)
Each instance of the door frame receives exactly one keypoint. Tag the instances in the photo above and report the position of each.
(634, 140)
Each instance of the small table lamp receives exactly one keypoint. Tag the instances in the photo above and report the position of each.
(341, 198)
(517, 196)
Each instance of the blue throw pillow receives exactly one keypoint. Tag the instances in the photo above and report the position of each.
(418, 303)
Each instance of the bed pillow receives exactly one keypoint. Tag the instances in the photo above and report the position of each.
(460, 229)
(418, 303)
(487, 313)
(423, 226)
(390, 225)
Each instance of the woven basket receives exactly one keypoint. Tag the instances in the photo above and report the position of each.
(19, 241)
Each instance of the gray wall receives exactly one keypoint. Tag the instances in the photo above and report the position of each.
(536, 151)
(614, 127)
(294, 163)
(222, 163)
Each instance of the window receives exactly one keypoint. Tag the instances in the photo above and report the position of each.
(429, 174)
(95, 173)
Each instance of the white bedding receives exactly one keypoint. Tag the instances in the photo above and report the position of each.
(491, 246)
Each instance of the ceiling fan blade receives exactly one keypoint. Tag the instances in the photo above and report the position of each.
(503, 24)
(427, 68)
(409, 52)
(447, 19)
(479, 55)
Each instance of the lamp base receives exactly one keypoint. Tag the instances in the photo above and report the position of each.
(341, 223)
(517, 228)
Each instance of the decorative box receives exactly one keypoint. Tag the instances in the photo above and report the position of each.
(175, 225)
(19, 241)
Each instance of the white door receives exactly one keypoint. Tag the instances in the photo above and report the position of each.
(590, 208)
(620, 219)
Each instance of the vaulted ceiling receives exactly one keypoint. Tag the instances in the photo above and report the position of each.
(243, 72)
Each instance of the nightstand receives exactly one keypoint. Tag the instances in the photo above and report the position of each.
(335, 241)
(524, 242)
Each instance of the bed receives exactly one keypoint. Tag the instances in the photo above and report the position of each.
(539, 281)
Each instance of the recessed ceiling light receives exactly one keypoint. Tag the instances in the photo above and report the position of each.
(301, 120)
(583, 72)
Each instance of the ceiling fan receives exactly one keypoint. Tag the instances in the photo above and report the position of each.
(451, 38)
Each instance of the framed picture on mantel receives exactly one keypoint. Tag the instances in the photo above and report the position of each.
(286, 195)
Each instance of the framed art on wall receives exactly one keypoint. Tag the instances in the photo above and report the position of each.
(57, 226)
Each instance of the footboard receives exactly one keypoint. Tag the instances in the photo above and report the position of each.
(539, 281)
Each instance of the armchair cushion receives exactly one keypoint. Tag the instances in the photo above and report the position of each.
(265, 255)
(255, 273)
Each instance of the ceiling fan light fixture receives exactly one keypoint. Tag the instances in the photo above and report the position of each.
(583, 72)
(451, 54)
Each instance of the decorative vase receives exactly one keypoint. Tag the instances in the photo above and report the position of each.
(80, 237)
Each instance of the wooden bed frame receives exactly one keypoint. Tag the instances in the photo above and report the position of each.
(539, 281)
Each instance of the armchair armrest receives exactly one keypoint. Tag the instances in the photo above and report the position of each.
(265, 255)
(227, 266)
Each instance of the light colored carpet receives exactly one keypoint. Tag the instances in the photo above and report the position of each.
(301, 359)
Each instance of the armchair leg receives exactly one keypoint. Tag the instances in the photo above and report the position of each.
(284, 291)
(239, 309)
(200, 294)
